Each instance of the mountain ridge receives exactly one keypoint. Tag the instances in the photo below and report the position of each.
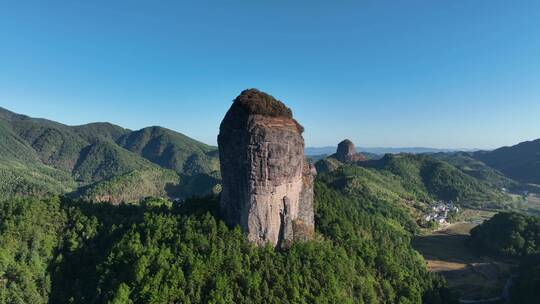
(312, 151)
(520, 162)
(36, 150)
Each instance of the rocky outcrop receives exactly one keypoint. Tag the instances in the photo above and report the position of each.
(346, 152)
(267, 186)
(328, 164)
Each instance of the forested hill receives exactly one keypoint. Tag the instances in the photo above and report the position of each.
(520, 162)
(465, 162)
(171, 150)
(424, 176)
(40, 156)
(61, 251)
(513, 236)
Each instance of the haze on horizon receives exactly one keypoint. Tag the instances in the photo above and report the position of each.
(441, 74)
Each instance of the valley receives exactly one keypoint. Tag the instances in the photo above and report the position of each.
(473, 276)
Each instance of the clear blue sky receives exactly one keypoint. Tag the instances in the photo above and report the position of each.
(445, 73)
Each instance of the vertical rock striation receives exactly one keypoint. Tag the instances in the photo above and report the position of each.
(267, 186)
(346, 152)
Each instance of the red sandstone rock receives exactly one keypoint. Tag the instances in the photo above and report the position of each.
(267, 184)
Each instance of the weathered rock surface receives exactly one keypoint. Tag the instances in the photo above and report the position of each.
(346, 152)
(267, 186)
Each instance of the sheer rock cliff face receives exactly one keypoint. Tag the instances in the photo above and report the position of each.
(346, 152)
(267, 184)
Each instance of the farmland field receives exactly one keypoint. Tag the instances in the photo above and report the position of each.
(533, 204)
(446, 252)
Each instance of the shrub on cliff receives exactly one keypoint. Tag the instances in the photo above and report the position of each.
(257, 102)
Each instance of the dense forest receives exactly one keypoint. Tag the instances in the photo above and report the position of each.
(508, 234)
(516, 236)
(58, 250)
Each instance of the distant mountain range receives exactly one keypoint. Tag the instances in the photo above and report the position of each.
(39, 156)
(440, 179)
(520, 162)
(105, 162)
(311, 151)
(507, 167)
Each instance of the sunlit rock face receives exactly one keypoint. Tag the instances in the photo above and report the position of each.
(267, 186)
(346, 152)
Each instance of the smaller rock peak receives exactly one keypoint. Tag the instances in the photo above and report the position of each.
(346, 152)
